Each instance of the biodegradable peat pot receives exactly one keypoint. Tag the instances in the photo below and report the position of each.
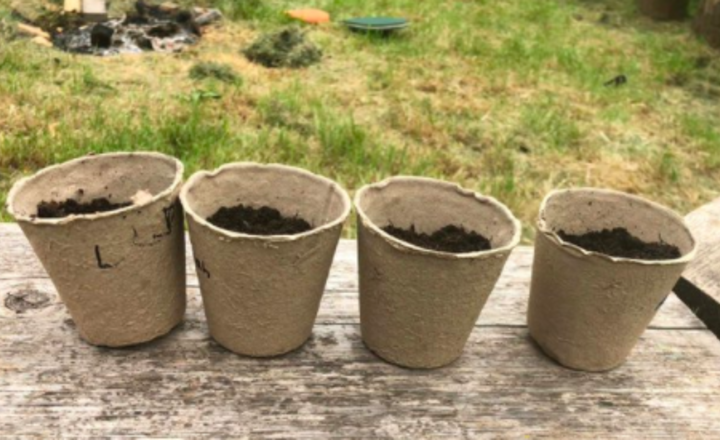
(664, 10)
(419, 306)
(120, 273)
(262, 293)
(588, 310)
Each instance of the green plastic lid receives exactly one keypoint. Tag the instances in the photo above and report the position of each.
(377, 23)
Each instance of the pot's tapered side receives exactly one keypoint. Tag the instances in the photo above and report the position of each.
(262, 300)
(588, 313)
(262, 293)
(121, 274)
(417, 310)
(418, 307)
(587, 310)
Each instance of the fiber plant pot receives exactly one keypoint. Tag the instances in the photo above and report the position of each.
(262, 293)
(588, 310)
(419, 306)
(120, 273)
(664, 10)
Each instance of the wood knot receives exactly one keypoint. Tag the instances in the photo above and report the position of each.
(25, 300)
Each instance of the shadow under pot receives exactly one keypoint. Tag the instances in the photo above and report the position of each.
(264, 238)
(109, 231)
(430, 253)
(604, 263)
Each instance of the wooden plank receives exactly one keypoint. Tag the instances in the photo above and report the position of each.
(186, 386)
(506, 307)
(700, 287)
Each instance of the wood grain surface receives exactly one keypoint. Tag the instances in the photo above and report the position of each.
(52, 384)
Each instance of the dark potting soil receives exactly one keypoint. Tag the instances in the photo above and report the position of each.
(451, 238)
(620, 243)
(73, 207)
(258, 221)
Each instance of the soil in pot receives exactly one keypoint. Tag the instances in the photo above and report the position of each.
(69, 207)
(258, 221)
(620, 243)
(453, 239)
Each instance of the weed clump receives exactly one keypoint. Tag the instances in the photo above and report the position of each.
(287, 47)
(7, 30)
(219, 71)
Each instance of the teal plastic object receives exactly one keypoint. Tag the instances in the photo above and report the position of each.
(383, 24)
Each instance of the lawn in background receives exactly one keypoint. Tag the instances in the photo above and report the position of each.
(507, 98)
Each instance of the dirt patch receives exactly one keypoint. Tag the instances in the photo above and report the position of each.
(73, 207)
(451, 238)
(258, 221)
(664, 9)
(620, 243)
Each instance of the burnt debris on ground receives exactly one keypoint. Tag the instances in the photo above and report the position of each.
(451, 238)
(160, 28)
(620, 243)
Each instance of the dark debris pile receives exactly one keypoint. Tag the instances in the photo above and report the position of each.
(287, 47)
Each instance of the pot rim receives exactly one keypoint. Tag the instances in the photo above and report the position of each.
(193, 180)
(543, 229)
(20, 184)
(408, 247)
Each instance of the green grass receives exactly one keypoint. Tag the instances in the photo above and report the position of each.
(215, 71)
(507, 98)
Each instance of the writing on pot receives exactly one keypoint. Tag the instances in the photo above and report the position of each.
(200, 265)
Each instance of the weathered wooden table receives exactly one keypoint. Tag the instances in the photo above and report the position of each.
(186, 386)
